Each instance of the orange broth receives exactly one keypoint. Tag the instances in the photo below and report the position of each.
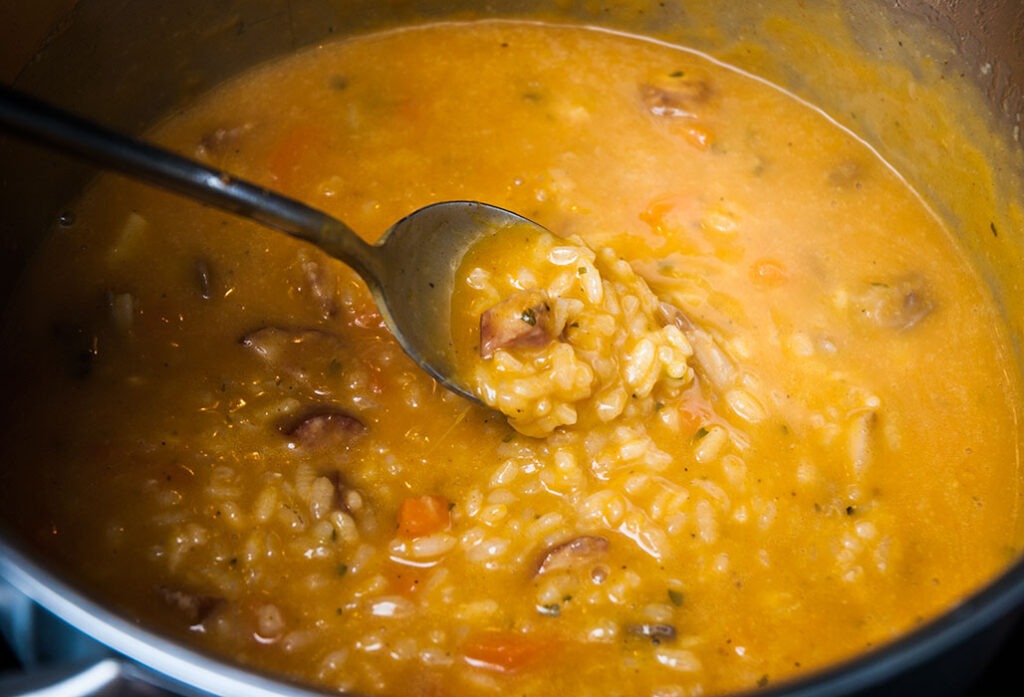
(218, 435)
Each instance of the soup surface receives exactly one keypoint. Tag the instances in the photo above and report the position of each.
(207, 424)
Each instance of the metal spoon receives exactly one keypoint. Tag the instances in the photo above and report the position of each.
(410, 271)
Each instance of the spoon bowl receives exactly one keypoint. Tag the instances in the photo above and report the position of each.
(410, 271)
(417, 261)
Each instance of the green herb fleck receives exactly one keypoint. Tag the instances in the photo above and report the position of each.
(678, 73)
(529, 316)
(581, 270)
(676, 597)
(342, 569)
(701, 432)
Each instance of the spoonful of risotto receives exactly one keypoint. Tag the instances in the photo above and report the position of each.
(489, 303)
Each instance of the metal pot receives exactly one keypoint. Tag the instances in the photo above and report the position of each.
(126, 62)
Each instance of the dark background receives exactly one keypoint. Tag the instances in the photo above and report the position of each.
(1005, 677)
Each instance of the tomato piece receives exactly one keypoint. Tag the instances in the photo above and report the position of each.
(423, 515)
(505, 652)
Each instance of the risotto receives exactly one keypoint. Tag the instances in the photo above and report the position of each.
(595, 322)
(752, 411)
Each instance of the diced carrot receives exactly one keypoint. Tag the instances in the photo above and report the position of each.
(768, 273)
(654, 214)
(697, 136)
(506, 651)
(668, 211)
(423, 515)
(286, 159)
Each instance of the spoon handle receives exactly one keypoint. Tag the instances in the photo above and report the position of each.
(47, 125)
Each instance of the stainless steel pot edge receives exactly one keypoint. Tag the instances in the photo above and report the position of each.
(157, 660)
(160, 662)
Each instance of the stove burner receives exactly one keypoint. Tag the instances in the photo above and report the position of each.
(46, 657)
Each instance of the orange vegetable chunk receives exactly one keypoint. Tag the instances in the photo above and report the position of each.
(423, 515)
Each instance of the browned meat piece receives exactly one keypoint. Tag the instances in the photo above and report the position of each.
(346, 497)
(681, 103)
(524, 320)
(303, 354)
(194, 607)
(220, 140)
(711, 362)
(898, 305)
(579, 551)
(323, 427)
(680, 98)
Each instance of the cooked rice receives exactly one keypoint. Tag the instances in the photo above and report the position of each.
(613, 351)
